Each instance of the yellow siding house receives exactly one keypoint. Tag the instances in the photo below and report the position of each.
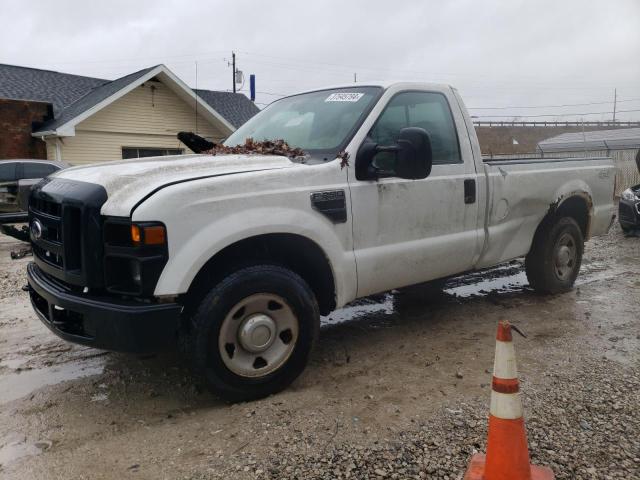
(134, 116)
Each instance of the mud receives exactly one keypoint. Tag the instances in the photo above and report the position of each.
(383, 365)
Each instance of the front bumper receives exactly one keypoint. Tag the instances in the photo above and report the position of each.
(102, 322)
(629, 213)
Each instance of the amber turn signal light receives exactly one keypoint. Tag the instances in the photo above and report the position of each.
(151, 235)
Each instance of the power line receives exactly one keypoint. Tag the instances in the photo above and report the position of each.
(553, 106)
(275, 94)
(136, 59)
(350, 68)
(553, 114)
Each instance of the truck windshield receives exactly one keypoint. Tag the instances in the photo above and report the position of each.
(320, 123)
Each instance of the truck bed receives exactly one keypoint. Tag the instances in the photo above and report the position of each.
(523, 190)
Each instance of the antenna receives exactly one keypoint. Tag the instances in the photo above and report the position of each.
(584, 137)
(196, 99)
(615, 100)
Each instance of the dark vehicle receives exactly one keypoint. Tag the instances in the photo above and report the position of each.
(17, 176)
(629, 209)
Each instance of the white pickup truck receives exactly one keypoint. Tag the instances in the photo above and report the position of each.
(239, 255)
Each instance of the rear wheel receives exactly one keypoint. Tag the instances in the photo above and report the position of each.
(253, 332)
(554, 261)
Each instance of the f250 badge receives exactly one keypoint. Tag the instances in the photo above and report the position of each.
(606, 173)
(330, 203)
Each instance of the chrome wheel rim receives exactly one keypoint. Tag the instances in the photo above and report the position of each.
(566, 254)
(258, 335)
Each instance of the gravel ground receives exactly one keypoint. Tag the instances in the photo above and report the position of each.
(584, 426)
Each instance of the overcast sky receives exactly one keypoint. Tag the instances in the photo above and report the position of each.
(498, 53)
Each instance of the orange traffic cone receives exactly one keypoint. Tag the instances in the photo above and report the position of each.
(507, 451)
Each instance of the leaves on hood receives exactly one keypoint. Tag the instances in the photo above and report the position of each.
(266, 147)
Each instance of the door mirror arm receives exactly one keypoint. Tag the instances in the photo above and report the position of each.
(365, 170)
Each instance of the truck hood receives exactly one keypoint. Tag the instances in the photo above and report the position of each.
(129, 181)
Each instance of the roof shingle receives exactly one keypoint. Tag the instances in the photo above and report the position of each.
(71, 95)
(234, 107)
(92, 98)
(59, 89)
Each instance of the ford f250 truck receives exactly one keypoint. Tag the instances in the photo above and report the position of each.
(235, 257)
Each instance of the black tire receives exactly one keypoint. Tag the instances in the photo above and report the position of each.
(625, 229)
(542, 262)
(215, 307)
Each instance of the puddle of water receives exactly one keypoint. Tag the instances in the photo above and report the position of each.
(14, 385)
(16, 450)
(508, 278)
(507, 284)
(12, 363)
(359, 308)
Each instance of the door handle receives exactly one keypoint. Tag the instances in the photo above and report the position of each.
(470, 191)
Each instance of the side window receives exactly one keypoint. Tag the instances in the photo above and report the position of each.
(426, 110)
(7, 172)
(37, 170)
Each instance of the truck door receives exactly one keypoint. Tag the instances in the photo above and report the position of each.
(412, 231)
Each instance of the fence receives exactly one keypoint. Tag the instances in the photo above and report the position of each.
(627, 173)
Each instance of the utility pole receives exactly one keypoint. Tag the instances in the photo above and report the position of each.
(355, 77)
(615, 100)
(233, 70)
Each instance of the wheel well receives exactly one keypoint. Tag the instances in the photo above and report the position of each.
(295, 252)
(577, 208)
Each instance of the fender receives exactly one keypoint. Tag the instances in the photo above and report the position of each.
(571, 189)
(183, 265)
(190, 247)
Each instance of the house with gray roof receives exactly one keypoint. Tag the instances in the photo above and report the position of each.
(59, 116)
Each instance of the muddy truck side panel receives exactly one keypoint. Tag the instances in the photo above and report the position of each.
(523, 192)
(235, 256)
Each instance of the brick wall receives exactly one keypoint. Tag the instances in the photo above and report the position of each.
(16, 124)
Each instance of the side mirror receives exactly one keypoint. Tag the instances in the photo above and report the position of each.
(413, 156)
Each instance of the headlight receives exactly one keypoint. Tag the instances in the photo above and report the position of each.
(134, 255)
(628, 194)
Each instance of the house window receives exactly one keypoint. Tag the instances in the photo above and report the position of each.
(136, 152)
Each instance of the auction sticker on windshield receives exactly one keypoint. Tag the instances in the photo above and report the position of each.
(344, 97)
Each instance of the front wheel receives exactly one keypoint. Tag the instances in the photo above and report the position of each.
(253, 332)
(554, 261)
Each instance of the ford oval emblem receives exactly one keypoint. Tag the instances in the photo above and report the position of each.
(36, 229)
